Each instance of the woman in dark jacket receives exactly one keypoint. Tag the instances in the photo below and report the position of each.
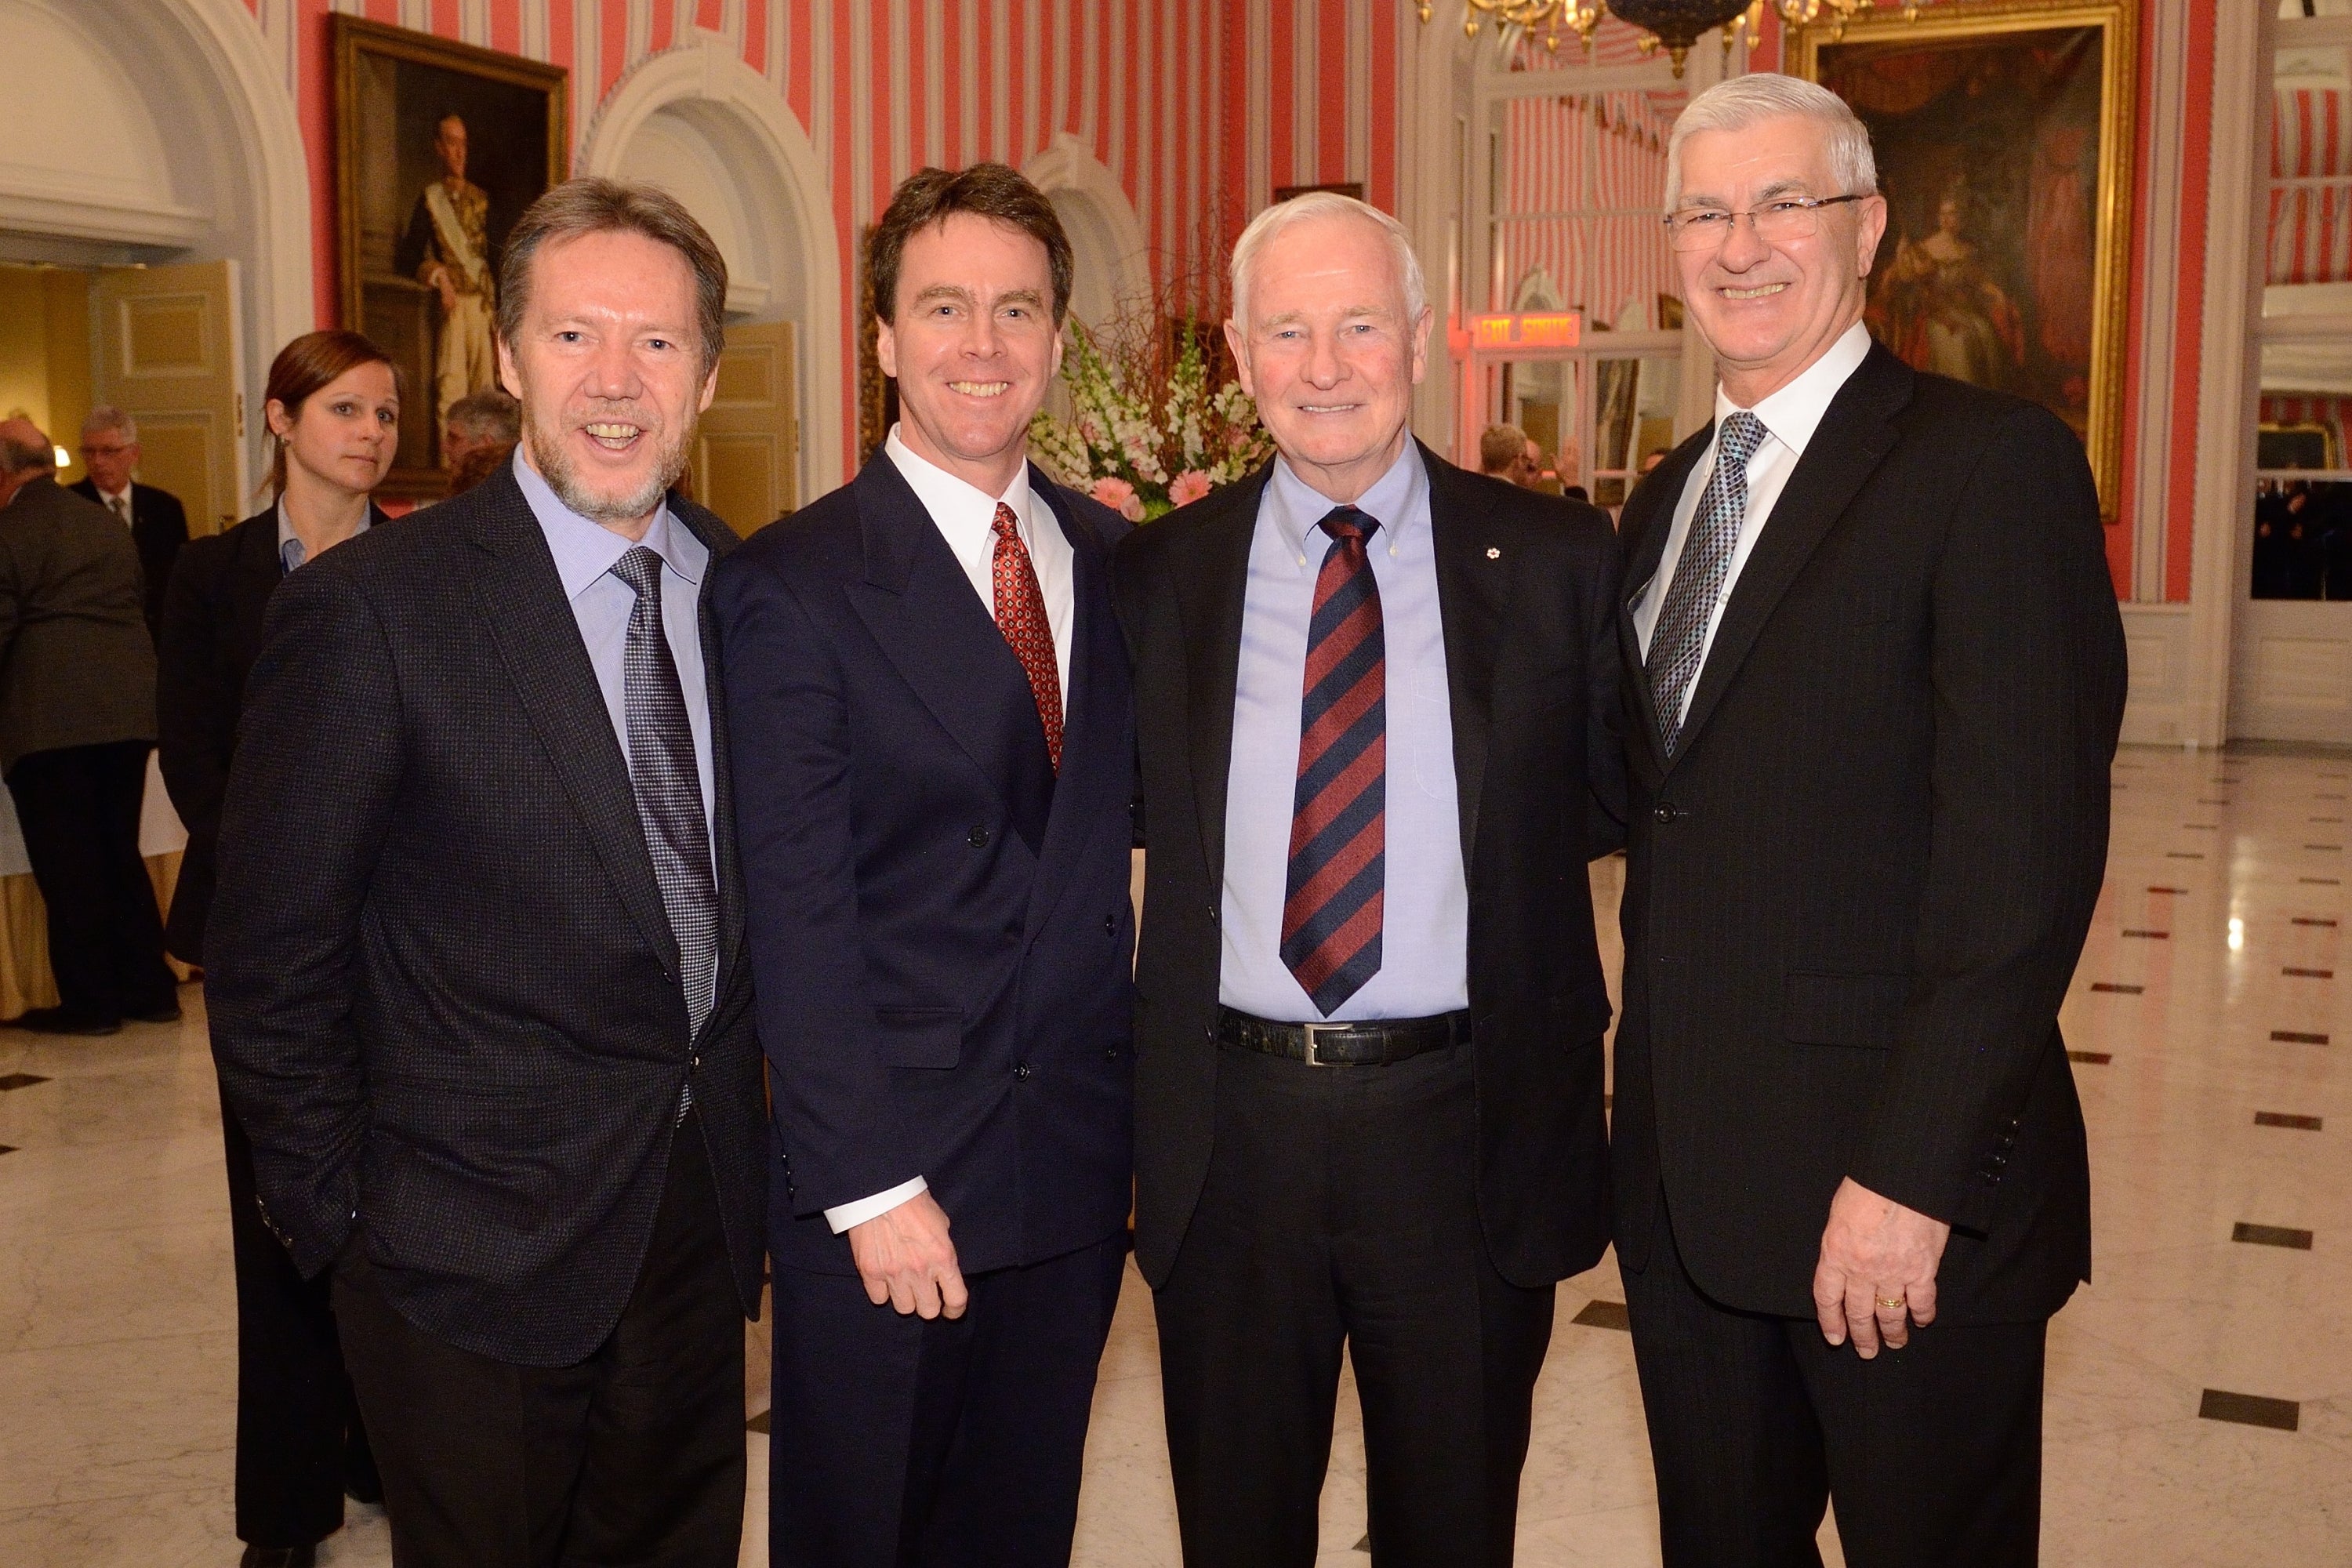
(333, 406)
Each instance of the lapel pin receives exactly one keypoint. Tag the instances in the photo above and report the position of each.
(1493, 553)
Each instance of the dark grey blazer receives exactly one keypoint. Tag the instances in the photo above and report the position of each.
(77, 665)
(444, 991)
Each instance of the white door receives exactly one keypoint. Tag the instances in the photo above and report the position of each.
(169, 353)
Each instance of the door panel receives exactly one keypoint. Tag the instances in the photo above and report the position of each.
(168, 354)
(746, 456)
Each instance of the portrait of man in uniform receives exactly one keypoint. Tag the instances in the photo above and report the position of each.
(447, 247)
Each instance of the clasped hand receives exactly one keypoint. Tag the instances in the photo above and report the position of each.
(1876, 1252)
(905, 1258)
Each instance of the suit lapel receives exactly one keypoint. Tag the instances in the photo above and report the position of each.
(538, 638)
(1852, 438)
(1097, 703)
(1210, 589)
(254, 577)
(920, 605)
(1647, 519)
(1471, 602)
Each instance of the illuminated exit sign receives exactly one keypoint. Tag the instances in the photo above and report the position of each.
(1546, 330)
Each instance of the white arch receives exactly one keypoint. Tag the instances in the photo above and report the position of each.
(785, 220)
(1113, 259)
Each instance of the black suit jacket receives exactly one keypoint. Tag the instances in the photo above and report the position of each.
(211, 629)
(1527, 590)
(940, 926)
(159, 527)
(443, 988)
(1857, 894)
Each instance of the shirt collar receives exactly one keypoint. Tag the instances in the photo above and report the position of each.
(952, 501)
(1299, 506)
(108, 498)
(585, 551)
(1793, 414)
(292, 552)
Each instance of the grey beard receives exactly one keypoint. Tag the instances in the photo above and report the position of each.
(554, 465)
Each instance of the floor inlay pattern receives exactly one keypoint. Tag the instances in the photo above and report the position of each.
(2200, 1390)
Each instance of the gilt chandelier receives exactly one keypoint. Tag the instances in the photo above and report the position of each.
(1671, 25)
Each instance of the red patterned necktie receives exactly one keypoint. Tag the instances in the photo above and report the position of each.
(1333, 899)
(1020, 616)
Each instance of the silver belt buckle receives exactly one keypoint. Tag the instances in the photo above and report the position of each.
(1313, 1032)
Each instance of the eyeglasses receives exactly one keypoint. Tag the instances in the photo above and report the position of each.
(89, 451)
(1790, 217)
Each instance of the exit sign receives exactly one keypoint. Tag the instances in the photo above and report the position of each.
(1546, 330)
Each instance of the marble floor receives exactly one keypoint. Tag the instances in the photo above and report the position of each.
(2199, 1411)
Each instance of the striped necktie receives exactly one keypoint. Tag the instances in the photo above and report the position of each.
(1678, 642)
(1333, 901)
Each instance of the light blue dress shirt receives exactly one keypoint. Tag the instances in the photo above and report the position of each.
(292, 552)
(1424, 936)
(585, 554)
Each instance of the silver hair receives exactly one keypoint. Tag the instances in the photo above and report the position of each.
(1325, 204)
(106, 417)
(1745, 100)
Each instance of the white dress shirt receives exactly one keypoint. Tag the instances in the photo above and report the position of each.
(1790, 416)
(965, 516)
(119, 503)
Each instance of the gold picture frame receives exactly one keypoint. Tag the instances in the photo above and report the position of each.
(2008, 256)
(393, 92)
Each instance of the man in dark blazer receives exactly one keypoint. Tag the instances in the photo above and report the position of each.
(934, 759)
(1877, 668)
(77, 721)
(475, 965)
(1377, 699)
(158, 523)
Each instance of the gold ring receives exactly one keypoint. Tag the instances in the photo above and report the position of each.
(1886, 1306)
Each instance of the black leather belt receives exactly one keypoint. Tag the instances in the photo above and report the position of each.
(1373, 1043)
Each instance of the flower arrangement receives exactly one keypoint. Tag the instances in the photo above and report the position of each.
(1143, 457)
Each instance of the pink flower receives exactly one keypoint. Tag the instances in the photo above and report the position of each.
(1120, 496)
(1188, 486)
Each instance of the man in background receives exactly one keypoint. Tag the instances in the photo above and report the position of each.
(77, 720)
(157, 522)
(478, 436)
(447, 248)
(1508, 453)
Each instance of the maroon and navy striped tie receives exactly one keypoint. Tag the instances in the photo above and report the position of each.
(1331, 906)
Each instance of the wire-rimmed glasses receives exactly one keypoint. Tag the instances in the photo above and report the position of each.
(1786, 218)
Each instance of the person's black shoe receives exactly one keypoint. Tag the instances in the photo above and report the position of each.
(58, 1021)
(170, 1015)
(280, 1557)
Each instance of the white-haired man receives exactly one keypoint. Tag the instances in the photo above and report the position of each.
(1874, 662)
(157, 522)
(1376, 702)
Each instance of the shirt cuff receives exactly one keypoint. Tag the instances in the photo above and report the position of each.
(847, 1214)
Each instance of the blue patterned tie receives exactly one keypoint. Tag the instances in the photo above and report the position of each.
(668, 786)
(1678, 642)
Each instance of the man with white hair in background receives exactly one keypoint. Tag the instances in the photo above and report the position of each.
(157, 522)
(1873, 676)
(1376, 700)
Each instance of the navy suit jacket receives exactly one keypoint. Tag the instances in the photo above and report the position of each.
(940, 932)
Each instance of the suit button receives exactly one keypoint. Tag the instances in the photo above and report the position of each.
(1110, 1053)
(1110, 925)
(1020, 1069)
(1215, 915)
(693, 1061)
(1664, 811)
(977, 838)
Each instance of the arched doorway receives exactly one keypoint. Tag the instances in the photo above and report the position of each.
(159, 132)
(1112, 270)
(702, 125)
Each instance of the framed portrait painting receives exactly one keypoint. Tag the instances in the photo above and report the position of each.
(2003, 134)
(439, 147)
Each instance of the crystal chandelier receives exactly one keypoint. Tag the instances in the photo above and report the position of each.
(1671, 25)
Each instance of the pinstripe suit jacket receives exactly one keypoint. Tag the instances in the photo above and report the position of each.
(1856, 893)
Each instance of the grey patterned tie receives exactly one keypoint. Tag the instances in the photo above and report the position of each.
(1678, 642)
(668, 786)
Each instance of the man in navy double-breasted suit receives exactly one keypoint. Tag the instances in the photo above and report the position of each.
(933, 751)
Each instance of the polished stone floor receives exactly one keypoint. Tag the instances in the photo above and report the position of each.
(2200, 1390)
